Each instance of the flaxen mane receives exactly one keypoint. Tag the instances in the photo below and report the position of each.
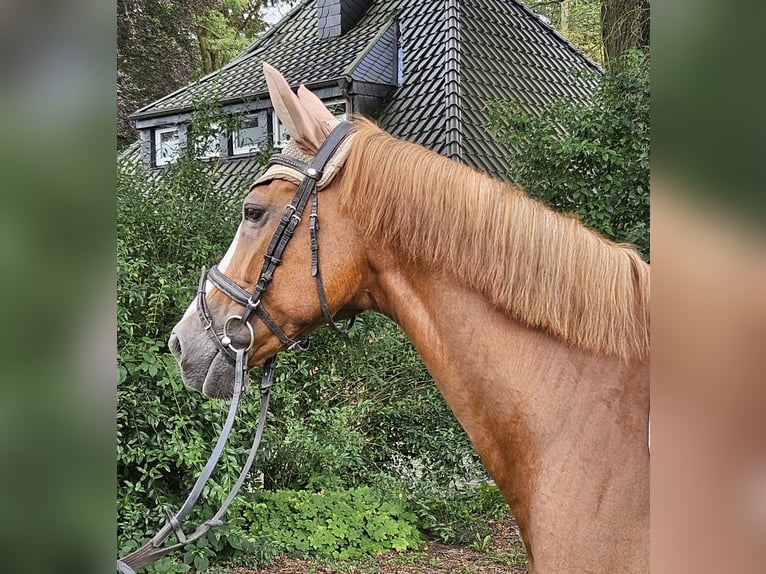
(545, 270)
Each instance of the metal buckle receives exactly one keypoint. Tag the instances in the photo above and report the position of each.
(300, 345)
(291, 208)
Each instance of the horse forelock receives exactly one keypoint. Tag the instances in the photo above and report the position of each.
(543, 269)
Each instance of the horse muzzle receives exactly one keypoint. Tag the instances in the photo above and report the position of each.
(204, 367)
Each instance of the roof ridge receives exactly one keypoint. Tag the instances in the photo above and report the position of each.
(453, 144)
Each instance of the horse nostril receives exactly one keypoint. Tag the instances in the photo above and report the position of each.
(175, 346)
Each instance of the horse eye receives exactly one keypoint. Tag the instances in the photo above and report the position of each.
(254, 214)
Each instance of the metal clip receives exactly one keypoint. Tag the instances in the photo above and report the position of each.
(300, 345)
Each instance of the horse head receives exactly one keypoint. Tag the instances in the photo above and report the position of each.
(280, 278)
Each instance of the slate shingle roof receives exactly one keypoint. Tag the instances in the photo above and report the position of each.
(293, 47)
(456, 56)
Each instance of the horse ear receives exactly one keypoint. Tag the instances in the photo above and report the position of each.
(307, 131)
(316, 107)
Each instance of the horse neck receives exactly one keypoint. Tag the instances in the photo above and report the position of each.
(484, 361)
(527, 401)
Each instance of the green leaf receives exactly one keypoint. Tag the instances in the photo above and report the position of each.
(201, 562)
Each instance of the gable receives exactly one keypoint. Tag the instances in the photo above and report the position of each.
(458, 56)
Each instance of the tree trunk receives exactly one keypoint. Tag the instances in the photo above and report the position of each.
(204, 51)
(564, 18)
(624, 25)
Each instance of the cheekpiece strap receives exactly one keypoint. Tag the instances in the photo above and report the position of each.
(330, 145)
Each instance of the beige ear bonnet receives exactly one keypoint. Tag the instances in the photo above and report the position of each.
(278, 171)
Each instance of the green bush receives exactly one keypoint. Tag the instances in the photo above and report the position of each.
(344, 524)
(588, 159)
(457, 514)
(348, 411)
(165, 432)
(351, 417)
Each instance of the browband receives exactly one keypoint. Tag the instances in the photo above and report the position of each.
(292, 164)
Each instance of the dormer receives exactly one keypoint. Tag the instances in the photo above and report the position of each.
(336, 17)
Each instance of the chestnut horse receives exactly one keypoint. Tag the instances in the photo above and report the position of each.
(534, 328)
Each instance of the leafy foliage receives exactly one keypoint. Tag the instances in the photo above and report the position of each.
(589, 159)
(343, 524)
(226, 29)
(163, 430)
(577, 20)
(459, 513)
(603, 29)
(350, 410)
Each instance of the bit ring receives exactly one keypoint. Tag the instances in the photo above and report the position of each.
(226, 340)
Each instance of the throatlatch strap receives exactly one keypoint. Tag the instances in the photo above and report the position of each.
(316, 272)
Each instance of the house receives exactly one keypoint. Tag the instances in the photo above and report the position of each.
(423, 69)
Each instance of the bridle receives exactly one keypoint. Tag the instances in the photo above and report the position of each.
(291, 218)
(308, 190)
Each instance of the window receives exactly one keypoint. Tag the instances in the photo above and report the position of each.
(251, 135)
(281, 137)
(166, 145)
(338, 108)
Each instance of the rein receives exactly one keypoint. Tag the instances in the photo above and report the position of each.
(153, 550)
(252, 303)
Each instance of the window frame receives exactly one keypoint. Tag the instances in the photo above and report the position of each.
(159, 159)
(250, 149)
(342, 117)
